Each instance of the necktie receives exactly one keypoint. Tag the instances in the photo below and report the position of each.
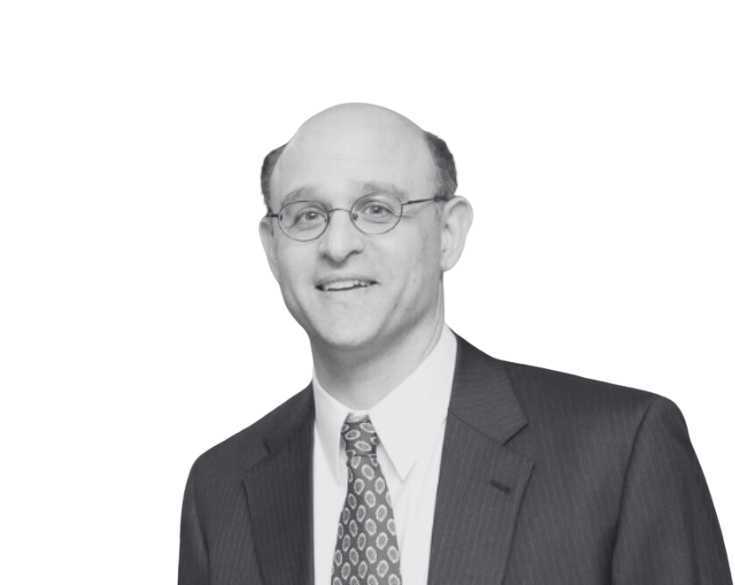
(366, 552)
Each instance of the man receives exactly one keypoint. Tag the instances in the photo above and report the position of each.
(413, 457)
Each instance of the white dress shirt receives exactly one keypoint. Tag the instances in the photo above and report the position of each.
(410, 422)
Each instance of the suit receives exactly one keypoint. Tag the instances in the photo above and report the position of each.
(545, 478)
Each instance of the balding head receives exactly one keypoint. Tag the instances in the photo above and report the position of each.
(363, 135)
(354, 286)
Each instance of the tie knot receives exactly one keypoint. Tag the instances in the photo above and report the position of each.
(360, 436)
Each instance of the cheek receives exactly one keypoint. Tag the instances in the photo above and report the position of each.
(415, 264)
(295, 268)
(427, 250)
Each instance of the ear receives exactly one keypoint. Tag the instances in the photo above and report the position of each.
(456, 221)
(268, 239)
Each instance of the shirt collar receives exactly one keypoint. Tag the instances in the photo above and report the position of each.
(422, 398)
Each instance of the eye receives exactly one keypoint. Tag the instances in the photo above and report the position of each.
(307, 216)
(377, 209)
(303, 215)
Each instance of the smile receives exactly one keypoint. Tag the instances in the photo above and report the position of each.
(344, 285)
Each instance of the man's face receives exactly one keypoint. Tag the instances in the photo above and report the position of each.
(335, 158)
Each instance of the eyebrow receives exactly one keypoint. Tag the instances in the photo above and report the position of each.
(309, 193)
(379, 187)
(298, 195)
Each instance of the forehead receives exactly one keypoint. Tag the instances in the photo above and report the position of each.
(344, 156)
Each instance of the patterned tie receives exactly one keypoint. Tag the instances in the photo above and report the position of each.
(366, 552)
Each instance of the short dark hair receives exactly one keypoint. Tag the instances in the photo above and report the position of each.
(443, 161)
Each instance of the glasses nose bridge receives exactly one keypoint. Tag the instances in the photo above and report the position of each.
(333, 209)
(350, 214)
(345, 237)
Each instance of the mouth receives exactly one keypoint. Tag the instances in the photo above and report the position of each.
(345, 285)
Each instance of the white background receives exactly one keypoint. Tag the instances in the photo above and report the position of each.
(139, 324)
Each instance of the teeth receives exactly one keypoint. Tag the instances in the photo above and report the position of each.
(345, 284)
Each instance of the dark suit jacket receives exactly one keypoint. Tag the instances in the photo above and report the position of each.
(546, 479)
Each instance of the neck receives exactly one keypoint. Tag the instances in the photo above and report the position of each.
(360, 378)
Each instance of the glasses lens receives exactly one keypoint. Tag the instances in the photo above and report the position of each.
(303, 220)
(378, 213)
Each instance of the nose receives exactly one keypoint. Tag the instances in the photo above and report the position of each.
(342, 238)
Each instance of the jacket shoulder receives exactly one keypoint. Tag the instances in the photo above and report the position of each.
(570, 399)
(583, 427)
(243, 449)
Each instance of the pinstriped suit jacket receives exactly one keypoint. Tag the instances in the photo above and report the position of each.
(546, 479)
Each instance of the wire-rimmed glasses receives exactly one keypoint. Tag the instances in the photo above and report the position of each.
(375, 213)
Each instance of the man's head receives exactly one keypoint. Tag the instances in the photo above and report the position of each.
(445, 170)
(335, 157)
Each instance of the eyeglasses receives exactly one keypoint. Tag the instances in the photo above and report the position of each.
(376, 213)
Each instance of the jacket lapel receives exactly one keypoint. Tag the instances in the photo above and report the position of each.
(279, 495)
(481, 481)
(480, 491)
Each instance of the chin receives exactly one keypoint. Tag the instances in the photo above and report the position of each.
(346, 334)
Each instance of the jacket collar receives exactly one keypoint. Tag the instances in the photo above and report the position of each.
(478, 473)
(482, 397)
(423, 396)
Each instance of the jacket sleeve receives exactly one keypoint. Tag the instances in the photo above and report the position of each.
(193, 557)
(667, 532)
